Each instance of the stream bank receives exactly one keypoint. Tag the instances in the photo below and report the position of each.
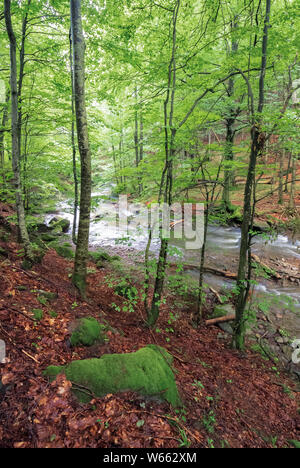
(276, 302)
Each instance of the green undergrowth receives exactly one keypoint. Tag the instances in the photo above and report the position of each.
(63, 250)
(147, 372)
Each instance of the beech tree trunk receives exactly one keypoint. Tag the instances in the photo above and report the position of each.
(80, 268)
(75, 176)
(24, 237)
(257, 148)
(167, 176)
(2, 133)
(230, 133)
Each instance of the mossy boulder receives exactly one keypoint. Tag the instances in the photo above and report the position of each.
(261, 226)
(48, 237)
(87, 332)
(60, 224)
(65, 251)
(100, 257)
(223, 310)
(147, 372)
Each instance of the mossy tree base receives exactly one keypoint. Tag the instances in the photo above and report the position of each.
(147, 372)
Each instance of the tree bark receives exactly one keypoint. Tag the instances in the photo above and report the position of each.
(256, 150)
(280, 188)
(293, 184)
(80, 267)
(2, 134)
(230, 133)
(24, 237)
(75, 175)
(167, 176)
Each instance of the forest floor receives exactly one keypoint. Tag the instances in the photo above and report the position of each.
(230, 400)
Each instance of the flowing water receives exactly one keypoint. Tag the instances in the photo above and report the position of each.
(223, 245)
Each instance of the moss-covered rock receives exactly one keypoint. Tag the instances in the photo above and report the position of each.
(48, 237)
(60, 224)
(223, 310)
(147, 372)
(88, 332)
(100, 257)
(65, 251)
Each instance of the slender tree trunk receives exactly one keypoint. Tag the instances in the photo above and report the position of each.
(230, 121)
(75, 176)
(141, 149)
(199, 312)
(115, 163)
(288, 173)
(256, 150)
(24, 237)
(280, 188)
(293, 184)
(21, 76)
(170, 136)
(25, 164)
(2, 134)
(80, 267)
(228, 161)
(136, 131)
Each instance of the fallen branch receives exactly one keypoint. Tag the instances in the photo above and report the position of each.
(269, 270)
(227, 318)
(16, 311)
(216, 294)
(214, 271)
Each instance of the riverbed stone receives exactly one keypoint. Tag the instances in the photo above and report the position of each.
(261, 226)
(60, 224)
(226, 327)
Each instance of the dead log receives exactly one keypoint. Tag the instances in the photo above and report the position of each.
(216, 294)
(269, 270)
(214, 271)
(227, 318)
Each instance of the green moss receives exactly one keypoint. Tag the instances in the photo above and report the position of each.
(53, 371)
(101, 257)
(88, 332)
(48, 296)
(60, 225)
(48, 237)
(65, 251)
(295, 443)
(147, 372)
(223, 310)
(38, 314)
